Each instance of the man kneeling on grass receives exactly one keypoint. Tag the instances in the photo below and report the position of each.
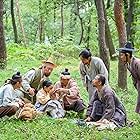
(105, 108)
(68, 89)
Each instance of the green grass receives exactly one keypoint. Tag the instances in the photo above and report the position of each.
(45, 128)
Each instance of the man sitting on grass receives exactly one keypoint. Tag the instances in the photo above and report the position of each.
(105, 108)
(67, 87)
(9, 100)
(33, 79)
(47, 102)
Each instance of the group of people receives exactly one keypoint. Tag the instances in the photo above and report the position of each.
(104, 106)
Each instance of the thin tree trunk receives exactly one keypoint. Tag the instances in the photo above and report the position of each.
(62, 19)
(87, 41)
(130, 19)
(41, 24)
(102, 43)
(54, 20)
(72, 22)
(121, 28)
(20, 23)
(13, 22)
(2, 39)
(88, 31)
(108, 37)
(81, 22)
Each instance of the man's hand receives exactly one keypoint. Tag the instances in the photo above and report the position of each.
(62, 91)
(88, 119)
(32, 91)
(21, 103)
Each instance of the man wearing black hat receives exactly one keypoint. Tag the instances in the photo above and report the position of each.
(133, 65)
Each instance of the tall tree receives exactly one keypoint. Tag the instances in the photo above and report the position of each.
(90, 10)
(102, 42)
(62, 19)
(81, 20)
(2, 39)
(130, 19)
(20, 23)
(121, 28)
(108, 37)
(41, 23)
(14, 22)
(72, 24)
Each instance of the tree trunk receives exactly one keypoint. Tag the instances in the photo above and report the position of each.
(41, 24)
(20, 23)
(88, 31)
(62, 19)
(2, 39)
(13, 22)
(54, 20)
(73, 19)
(102, 43)
(81, 22)
(130, 19)
(108, 37)
(120, 23)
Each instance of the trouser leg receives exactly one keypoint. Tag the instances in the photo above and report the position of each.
(8, 110)
(97, 110)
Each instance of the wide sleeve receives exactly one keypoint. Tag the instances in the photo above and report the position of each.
(109, 110)
(73, 89)
(82, 73)
(90, 105)
(103, 69)
(27, 78)
(8, 99)
(138, 69)
(41, 98)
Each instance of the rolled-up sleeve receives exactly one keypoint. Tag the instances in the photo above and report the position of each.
(27, 78)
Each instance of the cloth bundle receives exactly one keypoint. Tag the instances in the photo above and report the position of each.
(28, 112)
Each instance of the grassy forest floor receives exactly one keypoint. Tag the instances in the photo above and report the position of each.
(45, 128)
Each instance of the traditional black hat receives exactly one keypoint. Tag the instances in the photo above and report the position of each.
(128, 47)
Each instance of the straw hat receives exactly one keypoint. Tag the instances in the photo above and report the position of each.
(50, 61)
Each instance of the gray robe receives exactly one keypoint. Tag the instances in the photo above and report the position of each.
(53, 107)
(105, 105)
(134, 69)
(88, 73)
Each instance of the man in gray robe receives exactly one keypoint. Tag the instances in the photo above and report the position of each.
(133, 65)
(104, 105)
(91, 66)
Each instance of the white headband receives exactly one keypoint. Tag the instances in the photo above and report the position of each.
(65, 76)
